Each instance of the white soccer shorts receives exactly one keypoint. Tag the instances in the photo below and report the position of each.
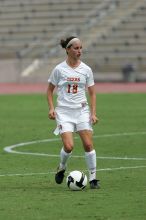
(72, 120)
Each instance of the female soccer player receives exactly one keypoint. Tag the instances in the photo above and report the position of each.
(72, 113)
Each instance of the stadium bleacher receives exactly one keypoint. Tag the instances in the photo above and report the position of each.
(113, 34)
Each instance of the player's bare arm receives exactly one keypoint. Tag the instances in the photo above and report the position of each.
(50, 90)
(92, 95)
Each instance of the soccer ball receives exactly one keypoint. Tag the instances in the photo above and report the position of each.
(76, 180)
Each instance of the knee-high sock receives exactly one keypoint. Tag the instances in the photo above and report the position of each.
(63, 159)
(90, 158)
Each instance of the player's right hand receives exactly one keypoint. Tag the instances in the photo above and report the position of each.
(52, 115)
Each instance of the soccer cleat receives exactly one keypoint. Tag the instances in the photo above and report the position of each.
(94, 184)
(59, 176)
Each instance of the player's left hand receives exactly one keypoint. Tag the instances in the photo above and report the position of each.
(94, 119)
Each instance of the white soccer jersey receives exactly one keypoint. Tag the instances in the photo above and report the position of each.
(71, 84)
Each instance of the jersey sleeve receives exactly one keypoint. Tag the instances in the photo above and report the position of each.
(54, 77)
(90, 78)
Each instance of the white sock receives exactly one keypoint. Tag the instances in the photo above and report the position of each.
(63, 159)
(90, 158)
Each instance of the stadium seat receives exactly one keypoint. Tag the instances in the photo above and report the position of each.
(113, 31)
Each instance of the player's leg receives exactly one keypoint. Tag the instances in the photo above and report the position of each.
(90, 153)
(90, 156)
(67, 139)
(65, 153)
(65, 129)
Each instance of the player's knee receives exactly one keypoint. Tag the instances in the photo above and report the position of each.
(88, 147)
(68, 147)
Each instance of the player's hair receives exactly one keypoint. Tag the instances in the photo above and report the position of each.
(65, 42)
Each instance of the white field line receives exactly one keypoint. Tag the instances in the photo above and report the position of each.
(10, 149)
(53, 172)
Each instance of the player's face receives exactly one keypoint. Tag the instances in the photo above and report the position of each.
(75, 51)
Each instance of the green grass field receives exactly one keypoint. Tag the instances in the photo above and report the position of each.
(27, 187)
